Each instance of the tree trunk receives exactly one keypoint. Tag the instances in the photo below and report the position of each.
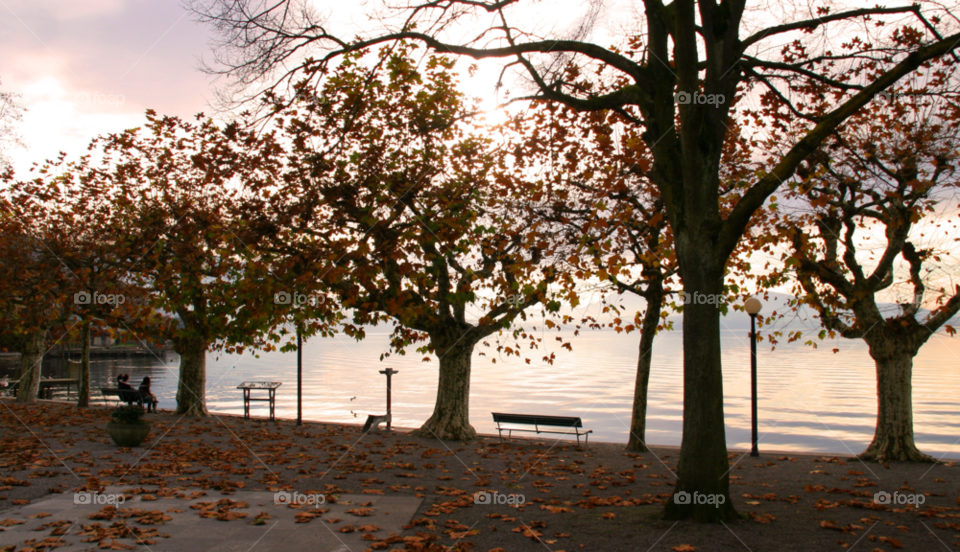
(893, 438)
(83, 400)
(31, 360)
(451, 413)
(638, 421)
(191, 389)
(703, 470)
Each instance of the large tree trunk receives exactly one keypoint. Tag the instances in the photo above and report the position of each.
(84, 388)
(638, 421)
(703, 469)
(31, 360)
(191, 389)
(451, 413)
(893, 438)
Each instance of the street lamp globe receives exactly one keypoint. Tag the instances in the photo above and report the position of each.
(752, 306)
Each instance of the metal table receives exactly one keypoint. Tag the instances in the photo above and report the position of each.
(269, 386)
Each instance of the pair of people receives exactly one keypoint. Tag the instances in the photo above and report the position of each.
(149, 399)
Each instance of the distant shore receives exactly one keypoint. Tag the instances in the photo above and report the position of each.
(96, 352)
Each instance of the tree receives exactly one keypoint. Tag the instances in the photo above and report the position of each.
(78, 213)
(396, 195)
(598, 189)
(35, 286)
(591, 184)
(178, 188)
(867, 229)
(688, 67)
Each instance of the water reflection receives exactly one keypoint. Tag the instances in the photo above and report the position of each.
(810, 400)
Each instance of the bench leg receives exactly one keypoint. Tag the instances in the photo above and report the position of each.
(373, 422)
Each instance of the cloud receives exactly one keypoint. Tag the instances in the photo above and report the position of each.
(91, 67)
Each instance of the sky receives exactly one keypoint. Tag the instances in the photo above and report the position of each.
(94, 66)
(88, 67)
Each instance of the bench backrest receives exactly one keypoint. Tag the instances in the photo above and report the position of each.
(537, 419)
(124, 394)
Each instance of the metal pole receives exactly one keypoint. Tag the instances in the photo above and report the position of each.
(753, 380)
(299, 377)
(389, 372)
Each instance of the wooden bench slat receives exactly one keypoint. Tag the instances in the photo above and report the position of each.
(538, 420)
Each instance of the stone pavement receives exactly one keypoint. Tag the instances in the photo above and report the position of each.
(189, 532)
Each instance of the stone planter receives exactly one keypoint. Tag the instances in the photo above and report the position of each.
(128, 435)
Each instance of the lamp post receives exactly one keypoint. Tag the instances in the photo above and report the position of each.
(299, 377)
(753, 306)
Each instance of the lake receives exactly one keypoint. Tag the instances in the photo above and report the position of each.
(810, 400)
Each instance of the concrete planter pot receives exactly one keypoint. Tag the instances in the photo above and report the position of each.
(128, 435)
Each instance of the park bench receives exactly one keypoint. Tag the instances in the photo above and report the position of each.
(538, 422)
(128, 396)
(374, 421)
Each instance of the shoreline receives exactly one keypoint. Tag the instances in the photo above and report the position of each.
(522, 439)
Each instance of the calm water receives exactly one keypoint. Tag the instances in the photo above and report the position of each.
(810, 400)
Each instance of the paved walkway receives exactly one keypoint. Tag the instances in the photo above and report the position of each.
(60, 520)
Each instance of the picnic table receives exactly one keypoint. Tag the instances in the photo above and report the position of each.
(269, 386)
(46, 386)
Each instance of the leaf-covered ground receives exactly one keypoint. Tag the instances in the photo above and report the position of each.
(595, 499)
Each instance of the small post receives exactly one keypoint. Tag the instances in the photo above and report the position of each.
(753, 306)
(389, 372)
(299, 377)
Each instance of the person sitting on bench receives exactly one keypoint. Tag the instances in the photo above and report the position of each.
(122, 385)
(149, 399)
